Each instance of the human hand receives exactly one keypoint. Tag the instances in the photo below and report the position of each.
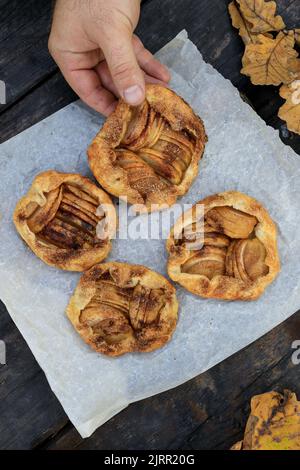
(93, 44)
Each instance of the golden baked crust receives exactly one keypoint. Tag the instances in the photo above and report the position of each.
(238, 257)
(66, 220)
(149, 154)
(119, 308)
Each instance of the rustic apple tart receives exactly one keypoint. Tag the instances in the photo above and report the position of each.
(66, 220)
(119, 308)
(229, 252)
(150, 153)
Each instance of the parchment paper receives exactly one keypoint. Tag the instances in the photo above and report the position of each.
(242, 154)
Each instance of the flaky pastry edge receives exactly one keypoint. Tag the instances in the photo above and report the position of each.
(126, 275)
(66, 259)
(113, 178)
(221, 286)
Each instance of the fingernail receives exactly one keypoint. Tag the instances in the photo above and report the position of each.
(134, 95)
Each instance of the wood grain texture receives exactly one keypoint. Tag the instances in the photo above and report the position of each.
(24, 57)
(209, 411)
(28, 408)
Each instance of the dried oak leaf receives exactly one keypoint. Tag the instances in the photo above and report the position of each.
(274, 423)
(272, 61)
(261, 15)
(290, 111)
(245, 28)
(237, 446)
(240, 23)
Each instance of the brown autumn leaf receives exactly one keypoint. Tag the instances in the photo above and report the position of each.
(237, 446)
(239, 22)
(272, 61)
(274, 423)
(290, 111)
(261, 15)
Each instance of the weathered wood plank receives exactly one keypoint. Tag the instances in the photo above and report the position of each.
(28, 407)
(207, 412)
(46, 98)
(24, 58)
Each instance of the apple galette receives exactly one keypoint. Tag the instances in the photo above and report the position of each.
(228, 252)
(150, 153)
(119, 308)
(66, 220)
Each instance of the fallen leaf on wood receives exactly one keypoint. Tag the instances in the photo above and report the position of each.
(261, 15)
(274, 423)
(290, 111)
(237, 446)
(239, 22)
(272, 61)
(268, 60)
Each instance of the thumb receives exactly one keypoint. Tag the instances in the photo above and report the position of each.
(124, 68)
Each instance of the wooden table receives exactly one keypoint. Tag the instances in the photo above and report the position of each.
(208, 412)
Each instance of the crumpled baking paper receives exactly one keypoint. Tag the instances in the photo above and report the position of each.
(242, 154)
